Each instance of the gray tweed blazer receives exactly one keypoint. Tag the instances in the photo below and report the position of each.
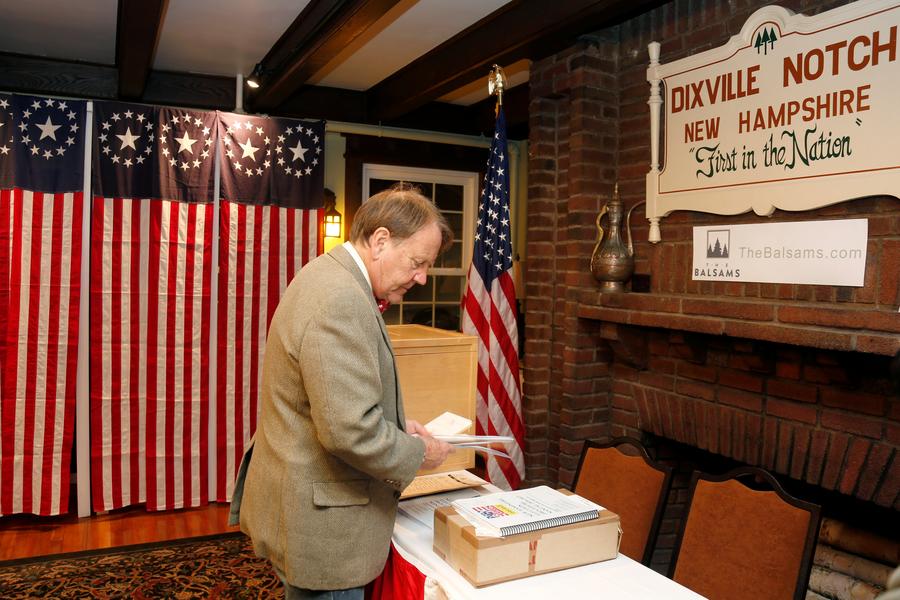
(329, 457)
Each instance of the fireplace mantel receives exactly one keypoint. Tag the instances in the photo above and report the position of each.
(822, 325)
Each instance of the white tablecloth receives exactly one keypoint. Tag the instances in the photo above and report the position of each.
(617, 579)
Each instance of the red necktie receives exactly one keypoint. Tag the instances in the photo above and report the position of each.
(382, 304)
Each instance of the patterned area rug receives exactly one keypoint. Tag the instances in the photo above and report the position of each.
(220, 566)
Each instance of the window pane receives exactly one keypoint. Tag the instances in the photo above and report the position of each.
(420, 293)
(446, 316)
(379, 185)
(452, 258)
(455, 221)
(418, 314)
(449, 288)
(448, 197)
(441, 316)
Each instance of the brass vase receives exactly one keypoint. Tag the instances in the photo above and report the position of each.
(612, 262)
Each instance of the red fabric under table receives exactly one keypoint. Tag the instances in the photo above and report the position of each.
(399, 580)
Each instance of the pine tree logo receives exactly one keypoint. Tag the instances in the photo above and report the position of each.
(718, 242)
(765, 40)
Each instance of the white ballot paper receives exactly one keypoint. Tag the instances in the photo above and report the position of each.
(422, 509)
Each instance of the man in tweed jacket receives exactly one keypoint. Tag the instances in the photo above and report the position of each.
(332, 450)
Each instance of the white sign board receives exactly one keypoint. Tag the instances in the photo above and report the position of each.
(813, 252)
(794, 113)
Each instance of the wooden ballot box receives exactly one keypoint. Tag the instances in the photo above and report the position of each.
(437, 370)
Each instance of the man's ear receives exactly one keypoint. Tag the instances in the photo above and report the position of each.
(378, 240)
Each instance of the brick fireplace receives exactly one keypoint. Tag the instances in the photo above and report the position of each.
(794, 378)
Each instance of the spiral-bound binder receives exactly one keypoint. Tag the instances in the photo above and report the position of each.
(548, 523)
(509, 513)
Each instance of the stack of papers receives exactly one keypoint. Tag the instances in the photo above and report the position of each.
(450, 428)
(478, 443)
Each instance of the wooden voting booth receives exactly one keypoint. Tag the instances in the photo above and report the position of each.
(437, 370)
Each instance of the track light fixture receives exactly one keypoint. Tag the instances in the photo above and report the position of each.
(254, 78)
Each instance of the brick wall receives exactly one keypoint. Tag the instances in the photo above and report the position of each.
(757, 394)
(823, 417)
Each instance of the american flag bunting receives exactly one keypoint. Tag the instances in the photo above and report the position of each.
(151, 273)
(41, 210)
(270, 223)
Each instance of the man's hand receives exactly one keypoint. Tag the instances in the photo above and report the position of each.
(436, 451)
(416, 428)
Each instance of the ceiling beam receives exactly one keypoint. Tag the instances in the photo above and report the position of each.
(137, 37)
(319, 102)
(31, 75)
(476, 119)
(530, 29)
(335, 104)
(35, 75)
(317, 35)
(193, 90)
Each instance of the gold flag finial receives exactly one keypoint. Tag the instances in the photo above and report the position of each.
(496, 84)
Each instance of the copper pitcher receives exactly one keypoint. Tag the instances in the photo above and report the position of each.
(612, 261)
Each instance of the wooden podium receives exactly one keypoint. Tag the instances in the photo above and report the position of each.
(437, 370)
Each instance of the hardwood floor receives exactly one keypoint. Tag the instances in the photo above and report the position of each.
(24, 536)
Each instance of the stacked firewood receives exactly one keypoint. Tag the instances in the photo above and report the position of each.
(850, 564)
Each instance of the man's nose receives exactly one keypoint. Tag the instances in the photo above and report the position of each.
(421, 276)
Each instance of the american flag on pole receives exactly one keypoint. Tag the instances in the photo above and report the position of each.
(270, 224)
(41, 208)
(151, 273)
(489, 312)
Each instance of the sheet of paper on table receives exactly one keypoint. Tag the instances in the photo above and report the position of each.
(422, 508)
(441, 482)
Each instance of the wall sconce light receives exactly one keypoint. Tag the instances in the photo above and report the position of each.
(254, 78)
(332, 223)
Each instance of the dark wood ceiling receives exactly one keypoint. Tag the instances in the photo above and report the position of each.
(522, 29)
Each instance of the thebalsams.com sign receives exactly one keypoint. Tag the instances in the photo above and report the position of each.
(795, 113)
(811, 252)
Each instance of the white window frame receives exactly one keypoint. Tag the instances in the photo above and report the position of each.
(467, 179)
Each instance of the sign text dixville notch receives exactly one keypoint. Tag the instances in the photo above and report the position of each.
(794, 113)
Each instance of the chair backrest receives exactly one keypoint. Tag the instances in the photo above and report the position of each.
(737, 542)
(629, 484)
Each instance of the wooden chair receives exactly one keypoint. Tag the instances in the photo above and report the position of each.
(620, 476)
(737, 542)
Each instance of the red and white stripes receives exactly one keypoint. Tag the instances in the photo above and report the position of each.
(491, 315)
(151, 272)
(40, 270)
(261, 247)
